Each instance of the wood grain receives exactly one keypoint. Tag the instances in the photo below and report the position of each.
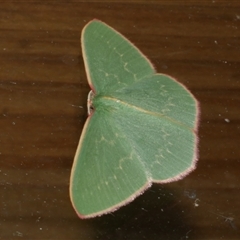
(43, 91)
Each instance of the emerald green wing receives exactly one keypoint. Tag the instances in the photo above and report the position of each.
(107, 173)
(111, 61)
(157, 116)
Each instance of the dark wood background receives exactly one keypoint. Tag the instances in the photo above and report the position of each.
(43, 91)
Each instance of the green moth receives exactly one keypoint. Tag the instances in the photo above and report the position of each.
(141, 129)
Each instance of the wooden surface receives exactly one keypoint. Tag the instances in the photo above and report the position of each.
(43, 91)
